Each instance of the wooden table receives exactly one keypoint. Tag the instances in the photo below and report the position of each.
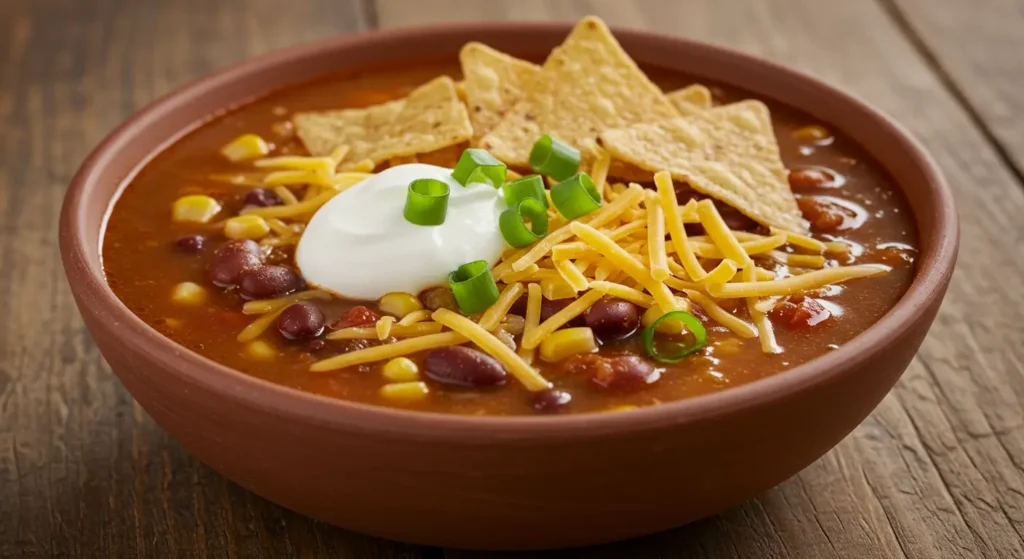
(936, 471)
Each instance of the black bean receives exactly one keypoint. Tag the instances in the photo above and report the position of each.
(613, 319)
(233, 260)
(261, 197)
(551, 401)
(191, 243)
(301, 320)
(463, 366)
(267, 282)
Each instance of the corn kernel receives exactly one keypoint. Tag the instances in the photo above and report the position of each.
(567, 342)
(188, 293)
(246, 227)
(404, 392)
(246, 146)
(399, 304)
(261, 350)
(813, 133)
(196, 208)
(401, 369)
(667, 327)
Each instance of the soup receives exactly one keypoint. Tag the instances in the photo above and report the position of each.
(379, 236)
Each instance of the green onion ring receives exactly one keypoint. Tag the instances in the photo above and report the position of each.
(426, 203)
(478, 165)
(526, 187)
(553, 158)
(512, 223)
(576, 196)
(690, 322)
(473, 287)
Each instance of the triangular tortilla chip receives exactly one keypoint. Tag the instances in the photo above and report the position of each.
(430, 118)
(587, 85)
(690, 99)
(493, 83)
(728, 153)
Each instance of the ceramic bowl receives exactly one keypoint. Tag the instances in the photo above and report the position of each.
(504, 482)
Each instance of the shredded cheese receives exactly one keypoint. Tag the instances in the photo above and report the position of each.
(634, 296)
(418, 315)
(384, 327)
(388, 351)
(765, 331)
(795, 284)
(676, 230)
(802, 241)
(396, 331)
(286, 195)
(596, 219)
(599, 171)
(520, 369)
(508, 297)
(722, 316)
(271, 305)
(561, 318)
(626, 263)
(657, 257)
(720, 233)
(571, 274)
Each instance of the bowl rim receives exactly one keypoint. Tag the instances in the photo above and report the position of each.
(930, 280)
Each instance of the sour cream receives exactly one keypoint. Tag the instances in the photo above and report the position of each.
(360, 246)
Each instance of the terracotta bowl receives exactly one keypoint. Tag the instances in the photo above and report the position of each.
(503, 482)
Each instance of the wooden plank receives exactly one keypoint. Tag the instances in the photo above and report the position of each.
(83, 471)
(936, 470)
(976, 46)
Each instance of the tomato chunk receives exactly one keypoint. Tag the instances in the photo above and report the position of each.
(824, 216)
(801, 312)
(356, 316)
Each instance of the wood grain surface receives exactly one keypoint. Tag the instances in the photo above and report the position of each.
(936, 471)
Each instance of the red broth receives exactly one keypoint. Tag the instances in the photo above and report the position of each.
(144, 261)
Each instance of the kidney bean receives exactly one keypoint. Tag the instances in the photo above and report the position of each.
(551, 401)
(623, 373)
(233, 260)
(261, 197)
(267, 282)
(613, 319)
(301, 320)
(463, 366)
(191, 243)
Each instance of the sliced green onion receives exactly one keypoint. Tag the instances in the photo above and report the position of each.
(681, 349)
(512, 223)
(426, 203)
(576, 196)
(473, 287)
(526, 187)
(478, 165)
(553, 158)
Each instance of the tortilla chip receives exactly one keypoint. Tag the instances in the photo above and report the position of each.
(728, 153)
(587, 85)
(430, 118)
(494, 82)
(690, 99)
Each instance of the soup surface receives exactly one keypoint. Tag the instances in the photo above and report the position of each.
(847, 199)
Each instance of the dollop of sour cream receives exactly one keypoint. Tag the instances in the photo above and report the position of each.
(360, 246)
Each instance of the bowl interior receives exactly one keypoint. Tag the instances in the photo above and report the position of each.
(112, 165)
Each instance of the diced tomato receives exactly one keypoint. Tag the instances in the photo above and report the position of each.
(823, 215)
(357, 316)
(801, 312)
